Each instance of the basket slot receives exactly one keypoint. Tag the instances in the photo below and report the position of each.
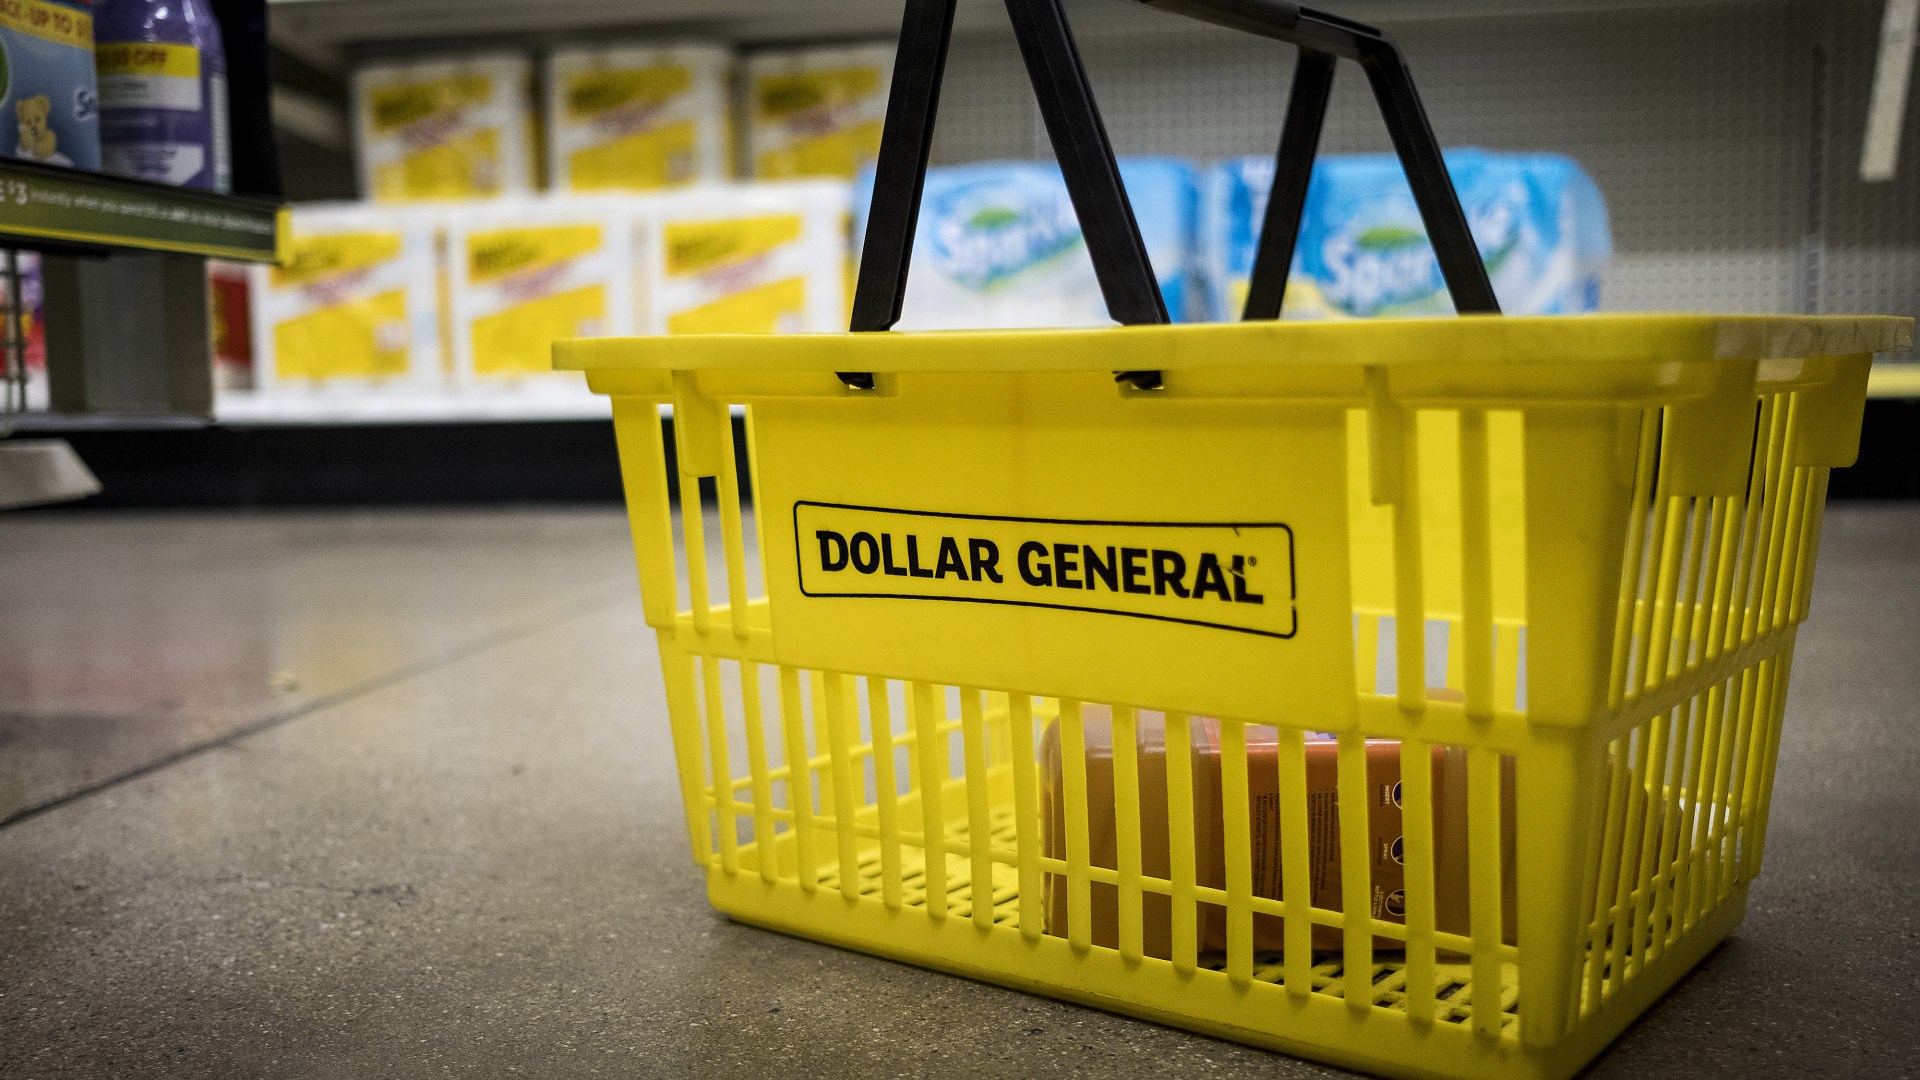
(1356, 888)
(1184, 910)
(1731, 718)
(1026, 804)
(799, 780)
(1735, 752)
(1761, 500)
(1650, 786)
(643, 463)
(831, 692)
(1476, 572)
(762, 783)
(694, 545)
(1484, 870)
(1294, 863)
(1783, 562)
(927, 710)
(1126, 802)
(1624, 633)
(1634, 768)
(1810, 547)
(1073, 759)
(1707, 541)
(733, 539)
(1416, 777)
(727, 824)
(979, 807)
(1756, 611)
(1670, 825)
(1761, 782)
(1236, 816)
(820, 794)
(886, 788)
(1409, 604)
(676, 669)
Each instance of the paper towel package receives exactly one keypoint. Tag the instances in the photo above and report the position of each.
(817, 112)
(637, 117)
(998, 245)
(1539, 222)
(525, 273)
(355, 302)
(745, 259)
(445, 129)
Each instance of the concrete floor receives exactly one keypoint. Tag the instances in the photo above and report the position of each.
(391, 794)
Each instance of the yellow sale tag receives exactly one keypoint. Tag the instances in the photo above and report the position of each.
(147, 58)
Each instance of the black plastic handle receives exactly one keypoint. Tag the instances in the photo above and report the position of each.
(1092, 176)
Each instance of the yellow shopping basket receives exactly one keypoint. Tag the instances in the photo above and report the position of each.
(1567, 555)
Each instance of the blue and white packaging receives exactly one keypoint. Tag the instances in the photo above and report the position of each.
(1538, 220)
(998, 244)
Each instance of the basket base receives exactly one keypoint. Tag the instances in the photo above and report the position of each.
(1376, 1038)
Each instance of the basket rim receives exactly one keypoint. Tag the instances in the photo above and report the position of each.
(1471, 339)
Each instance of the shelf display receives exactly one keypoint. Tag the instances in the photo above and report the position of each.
(637, 118)
(817, 112)
(445, 129)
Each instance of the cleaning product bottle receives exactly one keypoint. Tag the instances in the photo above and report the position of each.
(163, 92)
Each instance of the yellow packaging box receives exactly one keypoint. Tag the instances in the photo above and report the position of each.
(745, 259)
(445, 129)
(637, 118)
(817, 112)
(525, 273)
(355, 301)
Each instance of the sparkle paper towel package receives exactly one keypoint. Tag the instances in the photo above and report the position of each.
(1538, 220)
(998, 245)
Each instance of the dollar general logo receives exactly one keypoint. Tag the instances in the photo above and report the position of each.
(1235, 576)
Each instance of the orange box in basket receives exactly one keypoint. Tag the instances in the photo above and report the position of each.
(1385, 872)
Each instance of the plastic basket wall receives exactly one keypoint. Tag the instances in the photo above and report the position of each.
(1601, 533)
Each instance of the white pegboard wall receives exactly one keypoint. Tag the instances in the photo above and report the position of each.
(1695, 120)
(1869, 233)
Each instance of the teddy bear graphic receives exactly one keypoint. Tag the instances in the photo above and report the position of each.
(37, 140)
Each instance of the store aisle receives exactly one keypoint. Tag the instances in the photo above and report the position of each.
(131, 638)
(455, 844)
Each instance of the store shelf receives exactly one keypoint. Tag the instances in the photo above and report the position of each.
(42, 204)
(337, 23)
(340, 407)
(1899, 379)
